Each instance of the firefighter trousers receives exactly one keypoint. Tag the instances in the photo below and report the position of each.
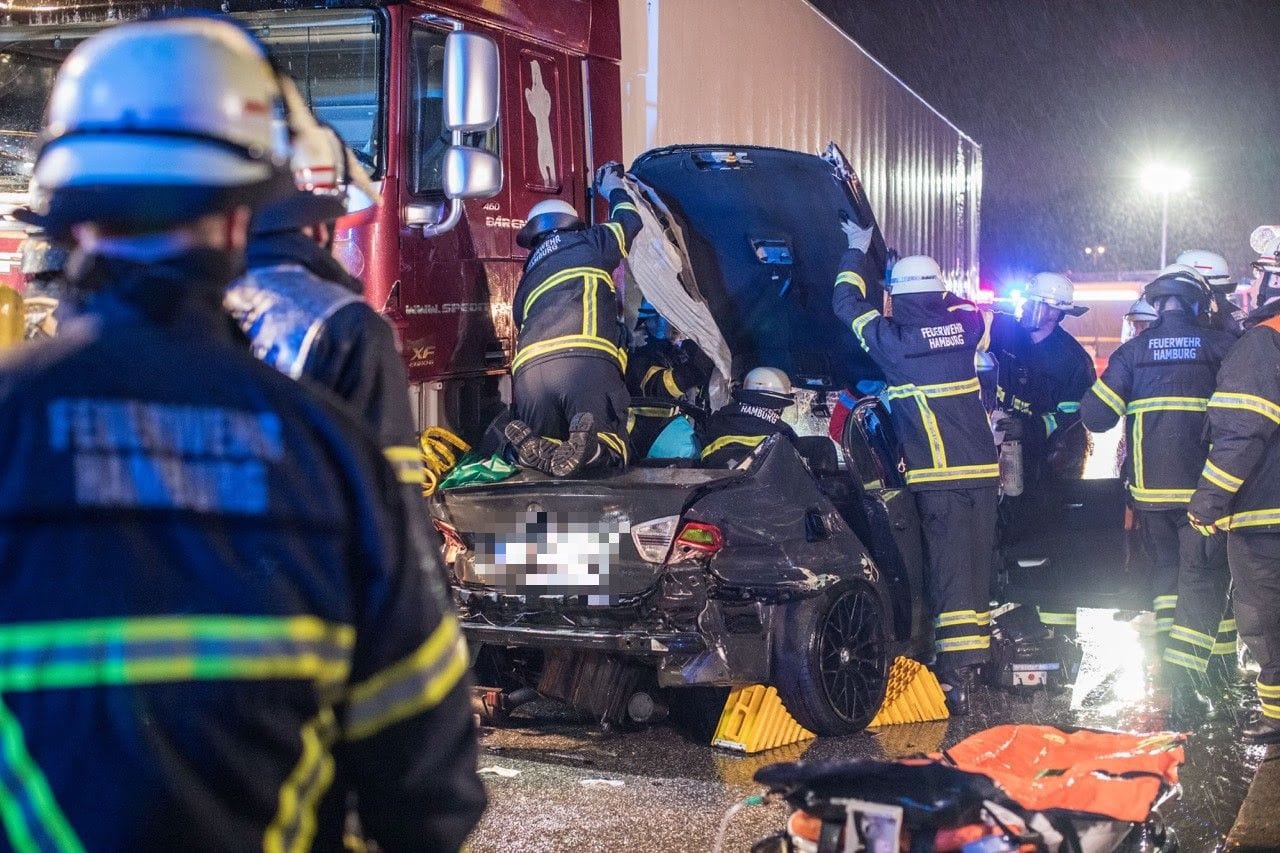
(1255, 576)
(959, 528)
(1204, 629)
(548, 393)
(1161, 537)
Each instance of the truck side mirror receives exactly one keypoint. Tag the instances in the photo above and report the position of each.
(471, 173)
(470, 82)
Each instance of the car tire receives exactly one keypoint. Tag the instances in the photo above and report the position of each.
(831, 660)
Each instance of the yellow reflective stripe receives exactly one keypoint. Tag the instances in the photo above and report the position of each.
(941, 389)
(649, 374)
(414, 685)
(1168, 404)
(407, 462)
(1106, 395)
(1165, 602)
(653, 411)
(969, 643)
(615, 443)
(854, 279)
(1139, 468)
(937, 450)
(560, 278)
(1268, 691)
(859, 323)
(1050, 424)
(294, 825)
(1049, 617)
(1069, 408)
(1226, 648)
(984, 618)
(1220, 478)
(1161, 495)
(958, 472)
(564, 342)
(669, 382)
(33, 821)
(618, 235)
(1270, 709)
(1226, 625)
(1247, 402)
(1186, 660)
(1191, 637)
(1252, 518)
(623, 205)
(726, 440)
(956, 617)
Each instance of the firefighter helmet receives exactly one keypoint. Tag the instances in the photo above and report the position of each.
(548, 215)
(156, 123)
(1141, 311)
(916, 274)
(1182, 283)
(1210, 265)
(1267, 270)
(773, 383)
(1056, 291)
(329, 182)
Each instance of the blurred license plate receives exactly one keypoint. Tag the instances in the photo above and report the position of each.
(548, 553)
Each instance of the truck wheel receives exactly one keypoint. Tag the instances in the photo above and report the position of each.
(832, 662)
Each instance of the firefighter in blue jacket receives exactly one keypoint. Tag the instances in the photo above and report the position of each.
(1239, 492)
(926, 351)
(1161, 382)
(568, 391)
(250, 638)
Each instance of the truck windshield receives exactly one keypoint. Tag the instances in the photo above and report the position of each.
(334, 55)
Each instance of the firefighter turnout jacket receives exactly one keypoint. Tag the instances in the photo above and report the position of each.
(659, 375)
(1160, 381)
(566, 303)
(926, 351)
(1239, 488)
(303, 318)
(740, 426)
(1042, 382)
(212, 629)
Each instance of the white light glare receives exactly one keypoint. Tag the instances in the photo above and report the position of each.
(1163, 178)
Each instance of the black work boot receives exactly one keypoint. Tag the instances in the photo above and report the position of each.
(1189, 703)
(532, 450)
(956, 684)
(579, 450)
(1261, 729)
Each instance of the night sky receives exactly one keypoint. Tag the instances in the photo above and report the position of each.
(1069, 98)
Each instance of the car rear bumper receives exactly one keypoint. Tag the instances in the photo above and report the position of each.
(635, 643)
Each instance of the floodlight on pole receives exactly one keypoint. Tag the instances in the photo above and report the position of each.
(1164, 179)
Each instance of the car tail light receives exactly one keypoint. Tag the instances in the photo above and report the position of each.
(452, 538)
(653, 538)
(696, 540)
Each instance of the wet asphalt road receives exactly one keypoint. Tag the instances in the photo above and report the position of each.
(568, 786)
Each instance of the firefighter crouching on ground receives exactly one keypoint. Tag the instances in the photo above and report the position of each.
(247, 641)
(1041, 374)
(755, 413)
(926, 351)
(661, 372)
(1223, 314)
(1239, 491)
(1161, 382)
(570, 399)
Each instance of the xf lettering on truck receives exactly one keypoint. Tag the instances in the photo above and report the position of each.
(422, 355)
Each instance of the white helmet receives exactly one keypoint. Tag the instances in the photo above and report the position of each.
(156, 123)
(550, 214)
(330, 182)
(916, 274)
(1212, 266)
(773, 383)
(1056, 291)
(1142, 311)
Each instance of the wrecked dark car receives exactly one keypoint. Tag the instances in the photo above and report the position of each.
(801, 568)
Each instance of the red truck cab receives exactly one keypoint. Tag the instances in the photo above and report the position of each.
(376, 72)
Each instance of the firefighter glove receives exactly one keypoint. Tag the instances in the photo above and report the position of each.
(609, 178)
(859, 238)
(1204, 528)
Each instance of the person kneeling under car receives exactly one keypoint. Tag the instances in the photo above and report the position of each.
(569, 398)
(663, 371)
(739, 427)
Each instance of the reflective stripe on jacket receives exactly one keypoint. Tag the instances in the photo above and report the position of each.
(926, 351)
(566, 302)
(1160, 382)
(1239, 487)
(739, 427)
